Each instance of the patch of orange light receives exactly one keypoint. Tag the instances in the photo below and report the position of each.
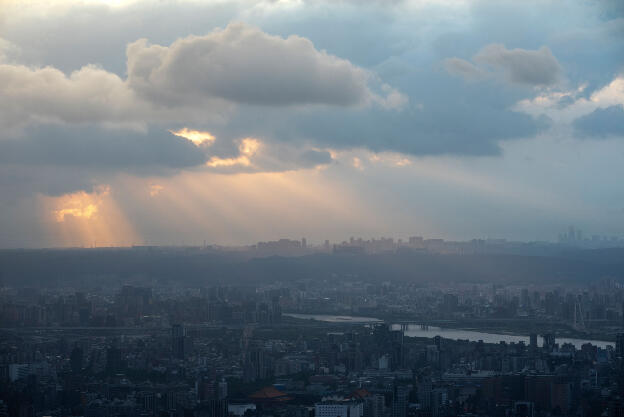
(198, 137)
(247, 148)
(403, 162)
(80, 204)
(87, 219)
(155, 189)
(334, 154)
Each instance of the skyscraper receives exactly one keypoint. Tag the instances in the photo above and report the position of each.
(178, 339)
(400, 399)
(619, 345)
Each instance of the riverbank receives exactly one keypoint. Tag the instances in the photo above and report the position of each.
(466, 330)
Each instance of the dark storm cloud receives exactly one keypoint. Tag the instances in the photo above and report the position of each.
(458, 130)
(601, 123)
(55, 160)
(19, 181)
(311, 158)
(452, 117)
(100, 148)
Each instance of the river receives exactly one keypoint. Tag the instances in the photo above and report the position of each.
(415, 330)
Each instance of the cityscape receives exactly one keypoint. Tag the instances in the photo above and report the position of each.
(340, 343)
(311, 208)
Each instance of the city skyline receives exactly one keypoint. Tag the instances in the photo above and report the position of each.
(573, 237)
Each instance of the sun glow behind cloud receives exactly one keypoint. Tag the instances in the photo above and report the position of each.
(247, 149)
(155, 189)
(80, 204)
(198, 137)
(88, 219)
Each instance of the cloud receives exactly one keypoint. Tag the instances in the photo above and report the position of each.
(8, 50)
(86, 217)
(460, 128)
(196, 78)
(44, 95)
(254, 155)
(98, 123)
(462, 68)
(155, 189)
(100, 149)
(242, 64)
(199, 138)
(313, 158)
(247, 149)
(80, 125)
(80, 204)
(602, 122)
(565, 106)
(56, 160)
(519, 66)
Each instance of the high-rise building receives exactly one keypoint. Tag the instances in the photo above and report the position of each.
(178, 341)
(400, 399)
(424, 393)
(549, 341)
(524, 298)
(374, 406)
(76, 358)
(114, 362)
(257, 364)
(533, 341)
(339, 409)
(222, 390)
(214, 408)
(619, 345)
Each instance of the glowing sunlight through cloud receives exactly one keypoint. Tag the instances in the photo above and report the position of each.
(80, 204)
(247, 149)
(88, 219)
(198, 137)
(155, 189)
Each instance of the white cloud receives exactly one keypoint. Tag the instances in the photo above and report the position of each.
(550, 102)
(197, 78)
(47, 95)
(242, 64)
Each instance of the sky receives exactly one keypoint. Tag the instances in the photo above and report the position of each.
(177, 122)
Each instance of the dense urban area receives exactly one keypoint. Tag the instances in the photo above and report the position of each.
(377, 328)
